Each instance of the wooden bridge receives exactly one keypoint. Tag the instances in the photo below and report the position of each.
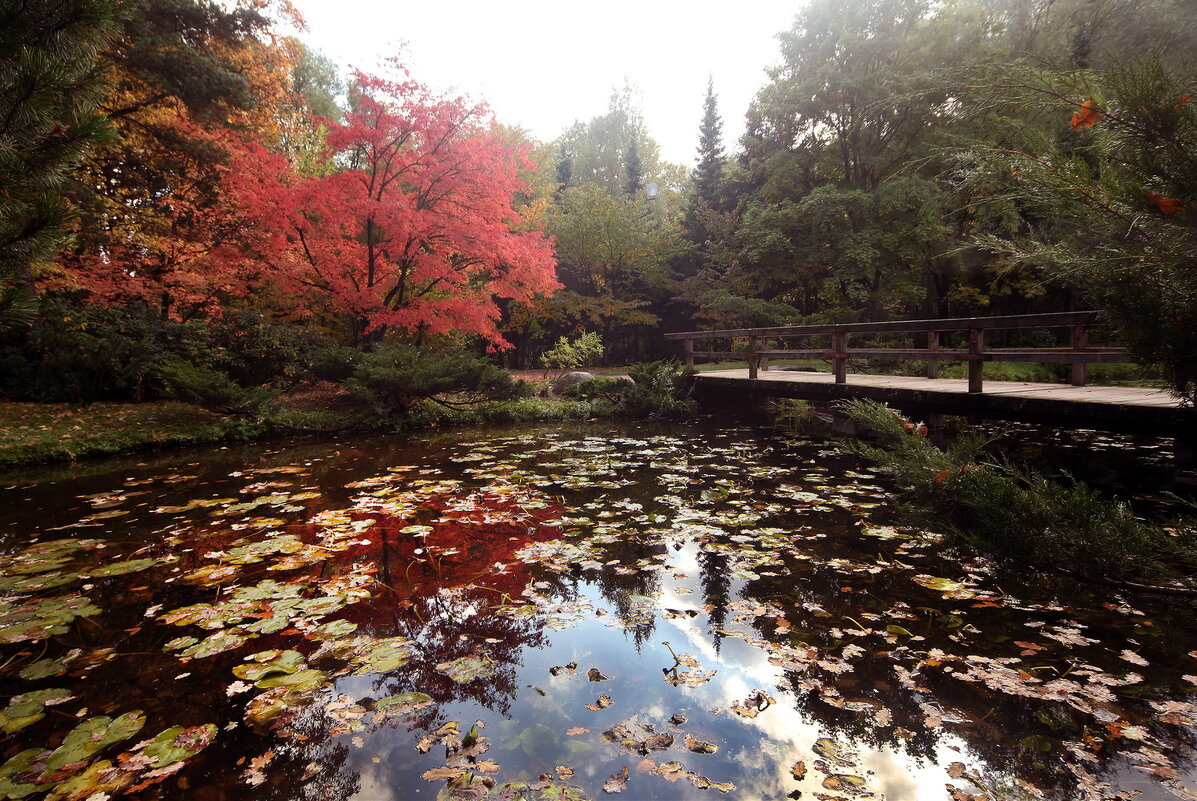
(980, 340)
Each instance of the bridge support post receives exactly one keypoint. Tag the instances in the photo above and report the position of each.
(976, 364)
(1079, 340)
(839, 358)
(752, 357)
(933, 361)
(688, 349)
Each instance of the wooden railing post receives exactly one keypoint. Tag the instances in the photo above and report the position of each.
(688, 345)
(752, 345)
(933, 361)
(763, 361)
(1079, 340)
(839, 358)
(976, 349)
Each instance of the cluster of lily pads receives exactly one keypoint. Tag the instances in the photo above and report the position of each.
(290, 610)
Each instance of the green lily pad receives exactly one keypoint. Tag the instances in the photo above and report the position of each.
(267, 589)
(216, 643)
(270, 705)
(403, 703)
(99, 779)
(19, 764)
(44, 581)
(177, 744)
(265, 663)
(38, 619)
(332, 630)
(27, 708)
(949, 587)
(44, 668)
(301, 680)
(89, 737)
(468, 668)
(121, 568)
(843, 781)
(382, 656)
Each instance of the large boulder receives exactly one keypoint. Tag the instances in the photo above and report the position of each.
(571, 380)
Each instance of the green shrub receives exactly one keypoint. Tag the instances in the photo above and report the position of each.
(213, 390)
(81, 352)
(600, 386)
(658, 390)
(394, 378)
(571, 354)
(1022, 517)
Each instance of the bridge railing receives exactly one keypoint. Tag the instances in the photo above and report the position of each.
(758, 352)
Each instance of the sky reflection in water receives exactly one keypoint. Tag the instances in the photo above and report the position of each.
(476, 570)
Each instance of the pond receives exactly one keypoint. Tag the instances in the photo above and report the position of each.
(556, 612)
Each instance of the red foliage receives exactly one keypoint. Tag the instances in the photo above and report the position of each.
(166, 249)
(1166, 205)
(416, 231)
(1088, 115)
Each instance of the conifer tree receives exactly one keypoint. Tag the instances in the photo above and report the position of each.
(634, 168)
(50, 86)
(565, 170)
(709, 175)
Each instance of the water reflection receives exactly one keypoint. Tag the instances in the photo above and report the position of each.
(361, 622)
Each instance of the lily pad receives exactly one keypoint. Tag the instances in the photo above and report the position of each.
(44, 668)
(38, 619)
(121, 568)
(383, 656)
(177, 744)
(265, 663)
(468, 668)
(403, 703)
(216, 643)
(91, 736)
(28, 708)
(949, 587)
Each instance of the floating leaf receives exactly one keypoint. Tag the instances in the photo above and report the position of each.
(267, 663)
(843, 781)
(594, 674)
(616, 782)
(214, 644)
(177, 744)
(468, 668)
(403, 703)
(44, 668)
(383, 656)
(121, 568)
(700, 747)
(27, 708)
(603, 702)
(38, 619)
(89, 737)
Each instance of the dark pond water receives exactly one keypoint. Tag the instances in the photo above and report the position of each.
(559, 613)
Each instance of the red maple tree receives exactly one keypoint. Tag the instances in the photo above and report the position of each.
(416, 227)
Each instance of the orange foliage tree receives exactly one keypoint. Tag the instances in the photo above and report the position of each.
(418, 231)
(187, 78)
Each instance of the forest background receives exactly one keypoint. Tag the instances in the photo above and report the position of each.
(195, 205)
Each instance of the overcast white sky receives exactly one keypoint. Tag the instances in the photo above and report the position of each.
(542, 64)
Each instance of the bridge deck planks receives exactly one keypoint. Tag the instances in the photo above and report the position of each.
(1101, 406)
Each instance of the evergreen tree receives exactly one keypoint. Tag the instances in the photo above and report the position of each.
(1107, 202)
(708, 178)
(50, 86)
(565, 170)
(634, 168)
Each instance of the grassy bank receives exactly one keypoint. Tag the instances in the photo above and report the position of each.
(32, 433)
(37, 433)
